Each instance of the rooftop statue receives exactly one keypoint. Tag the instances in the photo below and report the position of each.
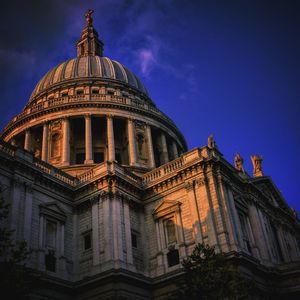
(88, 17)
(238, 163)
(210, 142)
(257, 165)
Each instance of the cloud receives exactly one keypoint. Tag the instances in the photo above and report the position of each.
(147, 61)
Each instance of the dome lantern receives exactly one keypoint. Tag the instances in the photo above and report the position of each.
(89, 43)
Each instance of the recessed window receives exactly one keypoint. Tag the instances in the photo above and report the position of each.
(51, 228)
(79, 92)
(134, 240)
(171, 231)
(95, 91)
(65, 94)
(87, 241)
(50, 261)
(173, 257)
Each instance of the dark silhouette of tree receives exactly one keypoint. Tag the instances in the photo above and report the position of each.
(209, 275)
(15, 279)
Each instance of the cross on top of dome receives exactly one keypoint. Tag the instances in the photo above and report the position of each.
(89, 43)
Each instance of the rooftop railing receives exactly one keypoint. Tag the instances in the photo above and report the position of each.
(39, 164)
(175, 165)
(140, 104)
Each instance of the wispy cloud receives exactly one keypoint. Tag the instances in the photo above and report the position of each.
(147, 60)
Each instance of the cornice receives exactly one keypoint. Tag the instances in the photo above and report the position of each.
(143, 109)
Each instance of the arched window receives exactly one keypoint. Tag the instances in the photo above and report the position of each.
(55, 145)
(171, 232)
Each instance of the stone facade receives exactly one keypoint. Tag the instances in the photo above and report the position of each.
(110, 201)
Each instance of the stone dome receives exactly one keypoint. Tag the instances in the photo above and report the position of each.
(87, 67)
(92, 109)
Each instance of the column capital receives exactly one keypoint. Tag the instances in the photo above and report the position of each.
(109, 116)
(87, 116)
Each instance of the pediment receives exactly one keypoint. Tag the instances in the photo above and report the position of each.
(270, 191)
(166, 207)
(54, 210)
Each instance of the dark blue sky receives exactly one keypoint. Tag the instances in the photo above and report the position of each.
(230, 68)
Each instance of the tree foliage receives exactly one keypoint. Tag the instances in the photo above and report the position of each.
(209, 275)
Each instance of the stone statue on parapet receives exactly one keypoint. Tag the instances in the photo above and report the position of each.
(257, 165)
(238, 163)
(210, 142)
(88, 17)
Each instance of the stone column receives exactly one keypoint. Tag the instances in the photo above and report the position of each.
(62, 240)
(129, 257)
(110, 138)
(45, 141)
(15, 199)
(107, 226)
(95, 231)
(41, 253)
(27, 142)
(66, 143)
(75, 244)
(164, 154)
(174, 149)
(88, 140)
(194, 210)
(132, 143)
(117, 229)
(151, 163)
(28, 213)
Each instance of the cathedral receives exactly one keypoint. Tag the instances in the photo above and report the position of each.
(102, 187)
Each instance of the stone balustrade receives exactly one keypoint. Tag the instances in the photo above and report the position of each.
(39, 164)
(140, 104)
(176, 164)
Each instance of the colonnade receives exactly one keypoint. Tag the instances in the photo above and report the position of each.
(111, 155)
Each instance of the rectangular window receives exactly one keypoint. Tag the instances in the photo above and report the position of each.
(173, 258)
(134, 240)
(50, 261)
(51, 228)
(245, 231)
(79, 92)
(87, 241)
(170, 231)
